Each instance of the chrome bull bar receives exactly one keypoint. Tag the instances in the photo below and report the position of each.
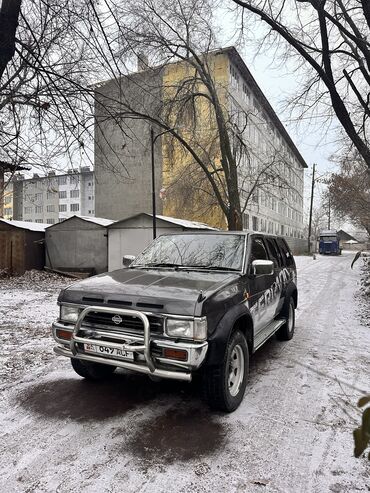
(144, 349)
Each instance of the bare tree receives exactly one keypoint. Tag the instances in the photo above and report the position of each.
(9, 14)
(207, 140)
(330, 39)
(349, 192)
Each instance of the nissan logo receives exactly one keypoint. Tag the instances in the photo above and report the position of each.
(117, 319)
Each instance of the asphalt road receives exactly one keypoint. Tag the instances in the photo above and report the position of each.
(292, 433)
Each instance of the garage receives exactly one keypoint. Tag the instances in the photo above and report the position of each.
(131, 235)
(21, 246)
(78, 244)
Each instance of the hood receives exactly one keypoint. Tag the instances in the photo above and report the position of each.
(159, 290)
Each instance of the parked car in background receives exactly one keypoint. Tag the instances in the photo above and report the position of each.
(190, 303)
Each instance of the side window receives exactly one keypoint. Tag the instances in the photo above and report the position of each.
(288, 257)
(258, 251)
(274, 255)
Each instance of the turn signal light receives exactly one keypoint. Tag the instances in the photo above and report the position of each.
(178, 354)
(64, 334)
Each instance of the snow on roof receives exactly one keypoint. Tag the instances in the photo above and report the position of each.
(101, 221)
(174, 220)
(26, 225)
(185, 223)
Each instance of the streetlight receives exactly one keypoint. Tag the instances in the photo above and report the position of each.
(153, 139)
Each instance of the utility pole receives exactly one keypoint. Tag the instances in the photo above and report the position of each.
(153, 139)
(154, 207)
(311, 206)
(329, 209)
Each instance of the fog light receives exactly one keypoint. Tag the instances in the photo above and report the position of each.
(178, 354)
(64, 334)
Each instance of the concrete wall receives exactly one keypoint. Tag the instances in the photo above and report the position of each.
(122, 147)
(75, 245)
(297, 245)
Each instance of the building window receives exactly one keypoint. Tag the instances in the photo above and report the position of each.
(38, 221)
(62, 180)
(74, 194)
(38, 196)
(50, 194)
(75, 207)
(245, 221)
(63, 194)
(234, 77)
(7, 199)
(28, 210)
(254, 223)
(74, 179)
(38, 209)
(50, 208)
(63, 208)
(50, 221)
(8, 211)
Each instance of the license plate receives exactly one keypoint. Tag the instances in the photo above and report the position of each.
(109, 351)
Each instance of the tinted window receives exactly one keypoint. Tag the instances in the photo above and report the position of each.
(287, 256)
(258, 251)
(274, 253)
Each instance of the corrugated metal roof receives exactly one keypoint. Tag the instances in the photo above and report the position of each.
(173, 220)
(101, 221)
(185, 223)
(40, 227)
(97, 220)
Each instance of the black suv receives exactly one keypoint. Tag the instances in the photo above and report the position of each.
(190, 303)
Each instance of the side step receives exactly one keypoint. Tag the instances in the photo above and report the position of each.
(267, 332)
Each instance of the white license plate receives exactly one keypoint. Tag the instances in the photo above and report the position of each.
(108, 351)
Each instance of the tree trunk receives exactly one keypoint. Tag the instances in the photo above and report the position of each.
(9, 14)
(234, 220)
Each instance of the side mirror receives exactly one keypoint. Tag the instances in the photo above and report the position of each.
(127, 260)
(262, 267)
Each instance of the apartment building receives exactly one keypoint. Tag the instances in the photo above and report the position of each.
(274, 206)
(50, 199)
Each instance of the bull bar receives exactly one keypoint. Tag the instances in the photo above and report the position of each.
(196, 351)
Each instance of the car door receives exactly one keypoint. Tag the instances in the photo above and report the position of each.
(259, 287)
(277, 299)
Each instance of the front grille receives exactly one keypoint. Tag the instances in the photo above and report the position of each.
(128, 322)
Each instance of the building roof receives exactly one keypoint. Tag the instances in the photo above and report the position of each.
(234, 55)
(173, 220)
(39, 227)
(345, 236)
(96, 220)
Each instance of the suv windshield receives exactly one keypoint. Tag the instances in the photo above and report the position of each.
(199, 251)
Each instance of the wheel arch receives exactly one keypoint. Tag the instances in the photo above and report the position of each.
(238, 318)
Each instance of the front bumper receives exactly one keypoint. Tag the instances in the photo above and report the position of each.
(147, 348)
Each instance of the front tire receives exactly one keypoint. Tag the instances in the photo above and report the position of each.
(286, 332)
(224, 385)
(92, 371)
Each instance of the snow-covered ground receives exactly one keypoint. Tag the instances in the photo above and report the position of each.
(292, 433)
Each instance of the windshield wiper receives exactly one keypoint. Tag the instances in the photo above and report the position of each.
(159, 264)
(216, 267)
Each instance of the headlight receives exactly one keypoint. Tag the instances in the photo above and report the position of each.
(69, 313)
(190, 329)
